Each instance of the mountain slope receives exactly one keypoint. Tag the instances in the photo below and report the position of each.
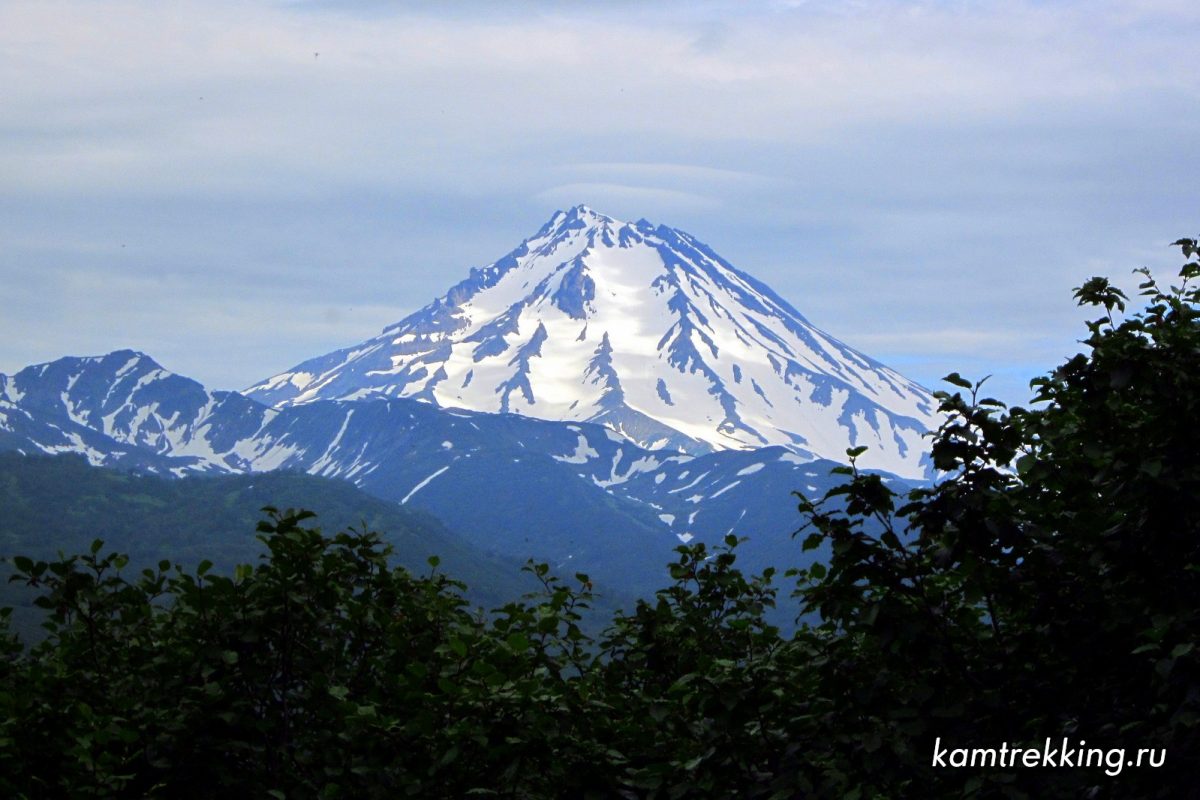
(643, 329)
(124, 408)
(575, 494)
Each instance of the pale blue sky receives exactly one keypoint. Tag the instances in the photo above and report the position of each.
(925, 180)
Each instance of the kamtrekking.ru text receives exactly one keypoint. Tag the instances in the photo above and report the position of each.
(1051, 754)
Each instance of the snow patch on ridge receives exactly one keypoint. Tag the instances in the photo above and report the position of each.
(423, 484)
(583, 453)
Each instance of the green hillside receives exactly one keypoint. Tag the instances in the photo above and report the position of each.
(51, 504)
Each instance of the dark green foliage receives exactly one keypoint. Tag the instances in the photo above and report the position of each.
(1047, 587)
(188, 520)
(326, 672)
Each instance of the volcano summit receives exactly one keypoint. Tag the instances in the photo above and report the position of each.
(641, 328)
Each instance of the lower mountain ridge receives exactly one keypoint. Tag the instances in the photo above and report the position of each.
(577, 495)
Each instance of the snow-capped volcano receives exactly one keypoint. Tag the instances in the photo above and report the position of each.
(644, 329)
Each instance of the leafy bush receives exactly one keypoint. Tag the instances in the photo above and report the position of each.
(1046, 587)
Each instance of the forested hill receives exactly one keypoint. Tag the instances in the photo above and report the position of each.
(60, 503)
